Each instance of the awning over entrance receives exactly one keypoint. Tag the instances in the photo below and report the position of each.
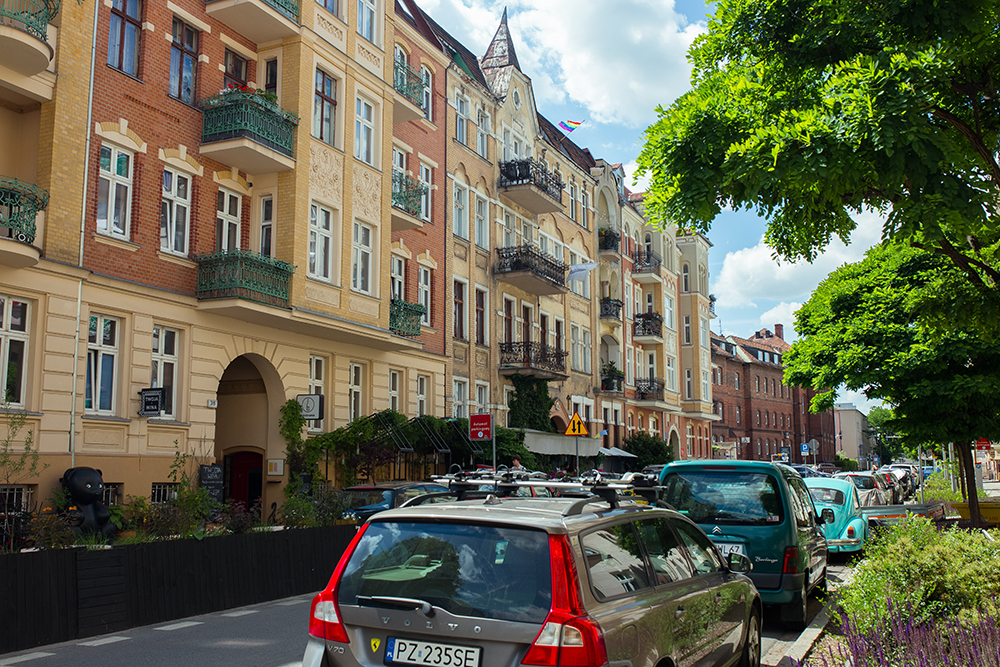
(554, 444)
(614, 451)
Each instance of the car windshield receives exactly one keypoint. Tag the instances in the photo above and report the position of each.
(731, 497)
(468, 570)
(822, 494)
(863, 482)
(370, 498)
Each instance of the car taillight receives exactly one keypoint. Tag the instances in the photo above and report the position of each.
(850, 531)
(569, 637)
(324, 616)
(791, 564)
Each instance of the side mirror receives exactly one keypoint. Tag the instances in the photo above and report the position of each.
(826, 516)
(739, 563)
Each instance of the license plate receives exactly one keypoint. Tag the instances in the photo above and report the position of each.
(730, 548)
(409, 652)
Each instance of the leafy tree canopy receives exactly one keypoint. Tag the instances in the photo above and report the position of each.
(649, 449)
(810, 111)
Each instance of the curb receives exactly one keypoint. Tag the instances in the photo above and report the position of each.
(797, 651)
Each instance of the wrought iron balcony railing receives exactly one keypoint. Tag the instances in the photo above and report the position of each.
(526, 258)
(244, 274)
(530, 172)
(404, 317)
(649, 389)
(407, 193)
(408, 83)
(289, 8)
(611, 308)
(608, 239)
(30, 16)
(646, 262)
(19, 204)
(612, 381)
(648, 324)
(711, 303)
(234, 114)
(533, 355)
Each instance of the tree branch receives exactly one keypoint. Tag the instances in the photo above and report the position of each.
(977, 142)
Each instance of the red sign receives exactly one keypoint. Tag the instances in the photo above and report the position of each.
(481, 427)
(983, 445)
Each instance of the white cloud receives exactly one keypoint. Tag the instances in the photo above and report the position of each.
(784, 314)
(642, 185)
(751, 275)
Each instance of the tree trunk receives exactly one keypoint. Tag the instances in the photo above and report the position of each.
(969, 465)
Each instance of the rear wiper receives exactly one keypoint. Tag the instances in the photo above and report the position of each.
(423, 606)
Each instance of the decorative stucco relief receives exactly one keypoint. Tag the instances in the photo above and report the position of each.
(367, 195)
(326, 173)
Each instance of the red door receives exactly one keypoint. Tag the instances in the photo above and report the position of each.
(245, 476)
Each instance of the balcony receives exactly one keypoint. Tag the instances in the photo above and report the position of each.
(244, 275)
(407, 197)
(529, 184)
(259, 21)
(19, 205)
(646, 267)
(611, 312)
(404, 317)
(612, 381)
(608, 240)
(244, 129)
(24, 26)
(527, 269)
(649, 389)
(648, 328)
(535, 359)
(409, 96)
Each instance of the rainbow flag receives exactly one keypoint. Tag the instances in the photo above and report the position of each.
(569, 125)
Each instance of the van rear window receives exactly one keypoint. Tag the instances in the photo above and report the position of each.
(469, 570)
(725, 497)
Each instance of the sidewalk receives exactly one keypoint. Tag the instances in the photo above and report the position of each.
(992, 488)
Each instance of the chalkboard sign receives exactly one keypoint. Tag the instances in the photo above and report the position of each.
(151, 402)
(211, 479)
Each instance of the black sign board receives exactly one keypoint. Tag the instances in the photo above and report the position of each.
(211, 479)
(151, 402)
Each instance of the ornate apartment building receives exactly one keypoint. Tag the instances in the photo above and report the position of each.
(237, 202)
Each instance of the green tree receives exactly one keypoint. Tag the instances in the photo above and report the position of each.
(809, 112)
(531, 404)
(858, 329)
(649, 449)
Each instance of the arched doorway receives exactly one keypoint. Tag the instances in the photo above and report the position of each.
(675, 445)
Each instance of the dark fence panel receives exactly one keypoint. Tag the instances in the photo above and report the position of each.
(54, 596)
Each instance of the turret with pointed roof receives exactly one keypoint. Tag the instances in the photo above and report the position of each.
(500, 58)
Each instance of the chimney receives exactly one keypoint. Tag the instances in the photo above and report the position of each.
(779, 331)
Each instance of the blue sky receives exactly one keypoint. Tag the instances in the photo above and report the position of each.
(609, 64)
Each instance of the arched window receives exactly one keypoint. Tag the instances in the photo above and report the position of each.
(685, 278)
(428, 95)
(649, 244)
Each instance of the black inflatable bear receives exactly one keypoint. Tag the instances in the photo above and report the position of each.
(86, 488)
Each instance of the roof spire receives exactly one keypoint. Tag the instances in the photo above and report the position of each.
(500, 52)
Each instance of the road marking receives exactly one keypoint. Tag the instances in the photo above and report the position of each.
(24, 658)
(179, 626)
(105, 640)
(245, 612)
(289, 603)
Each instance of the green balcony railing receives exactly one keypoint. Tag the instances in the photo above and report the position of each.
(290, 8)
(19, 204)
(404, 317)
(233, 114)
(407, 193)
(408, 83)
(244, 274)
(30, 16)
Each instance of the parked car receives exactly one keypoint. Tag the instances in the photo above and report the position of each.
(761, 510)
(805, 471)
(367, 499)
(893, 485)
(848, 532)
(916, 476)
(905, 478)
(869, 489)
(507, 581)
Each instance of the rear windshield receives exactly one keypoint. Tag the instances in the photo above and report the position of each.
(468, 570)
(863, 482)
(726, 497)
(370, 498)
(822, 494)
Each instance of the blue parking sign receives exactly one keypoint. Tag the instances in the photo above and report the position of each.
(805, 447)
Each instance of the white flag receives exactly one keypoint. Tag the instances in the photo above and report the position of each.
(579, 271)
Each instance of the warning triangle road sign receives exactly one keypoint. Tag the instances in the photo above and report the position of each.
(576, 426)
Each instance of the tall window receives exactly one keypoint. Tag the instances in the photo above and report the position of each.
(164, 370)
(459, 398)
(460, 220)
(685, 278)
(266, 225)
(480, 317)
(704, 385)
(687, 329)
(586, 350)
(183, 61)
(174, 212)
(227, 220)
(14, 347)
(425, 76)
(574, 347)
(361, 274)
(317, 366)
(425, 196)
(366, 19)
(668, 311)
(364, 130)
(324, 107)
(114, 192)
(572, 201)
(397, 277)
(461, 118)
(236, 69)
(123, 36)
(102, 363)
(394, 390)
(737, 415)
(332, 6)
(736, 380)
(459, 310)
(320, 241)
(671, 373)
(585, 209)
(704, 332)
(629, 379)
(482, 223)
(688, 385)
(422, 383)
(271, 76)
(355, 391)
(482, 133)
(424, 294)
